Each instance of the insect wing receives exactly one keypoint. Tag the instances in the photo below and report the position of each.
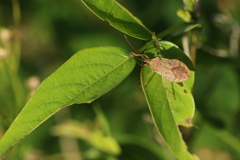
(171, 69)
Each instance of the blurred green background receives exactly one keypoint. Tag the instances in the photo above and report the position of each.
(50, 31)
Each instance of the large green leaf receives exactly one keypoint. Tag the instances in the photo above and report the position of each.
(119, 17)
(87, 75)
(171, 104)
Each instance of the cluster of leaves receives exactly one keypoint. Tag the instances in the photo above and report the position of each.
(92, 72)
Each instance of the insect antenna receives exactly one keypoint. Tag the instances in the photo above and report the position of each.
(137, 53)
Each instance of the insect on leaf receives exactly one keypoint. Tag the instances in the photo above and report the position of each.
(171, 104)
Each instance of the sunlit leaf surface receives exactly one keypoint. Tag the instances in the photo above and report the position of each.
(84, 77)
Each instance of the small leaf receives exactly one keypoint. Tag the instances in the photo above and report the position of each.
(94, 135)
(184, 15)
(84, 77)
(119, 17)
(178, 29)
(189, 5)
(105, 143)
(171, 104)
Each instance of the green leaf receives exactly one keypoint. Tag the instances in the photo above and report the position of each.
(184, 15)
(84, 77)
(105, 143)
(189, 5)
(178, 29)
(185, 29)
(94, 135)
(171, 104)
(119, 17)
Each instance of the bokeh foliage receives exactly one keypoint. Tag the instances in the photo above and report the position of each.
(52, 31)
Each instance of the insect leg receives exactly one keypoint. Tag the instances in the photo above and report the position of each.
(164, 86)
(148, 79)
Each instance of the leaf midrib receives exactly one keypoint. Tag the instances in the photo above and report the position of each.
(94, 82)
